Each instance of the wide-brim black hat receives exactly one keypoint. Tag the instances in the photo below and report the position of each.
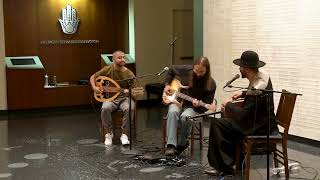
(249, 59)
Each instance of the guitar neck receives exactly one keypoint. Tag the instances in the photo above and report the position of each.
(136, 90)
(112, 89)
(190, 99)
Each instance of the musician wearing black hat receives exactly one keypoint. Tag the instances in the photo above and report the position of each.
(250, 118)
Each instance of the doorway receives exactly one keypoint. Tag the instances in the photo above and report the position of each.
(183, 33)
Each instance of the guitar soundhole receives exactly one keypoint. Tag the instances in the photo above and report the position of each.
(106, 83)
(106, 95)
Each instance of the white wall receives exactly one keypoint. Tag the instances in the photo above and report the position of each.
(3, 86)
(153, 34)
(286, 36)
(217, 43)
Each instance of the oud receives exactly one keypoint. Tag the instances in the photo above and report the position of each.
(111, 89)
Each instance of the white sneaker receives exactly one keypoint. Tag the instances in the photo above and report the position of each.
(124, 139)
(108, 139)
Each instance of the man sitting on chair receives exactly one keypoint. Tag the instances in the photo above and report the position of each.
(251, 118)
(200, 86)
(117, 71)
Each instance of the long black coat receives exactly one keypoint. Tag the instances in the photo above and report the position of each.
(253, 116)
(225, 133)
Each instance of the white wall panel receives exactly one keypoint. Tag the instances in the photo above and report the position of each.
(286, 34)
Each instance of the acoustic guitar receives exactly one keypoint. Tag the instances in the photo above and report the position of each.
(227, 113)
(111, 89)
(176, 86)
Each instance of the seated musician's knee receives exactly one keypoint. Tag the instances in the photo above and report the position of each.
(184, 119)
(126, 109)
(173, 111)
(106, 110)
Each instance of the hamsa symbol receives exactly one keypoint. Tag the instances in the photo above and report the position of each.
(69, 20)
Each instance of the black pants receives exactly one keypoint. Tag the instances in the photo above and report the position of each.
(223, 139)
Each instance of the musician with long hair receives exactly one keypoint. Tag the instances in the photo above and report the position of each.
(117, 71)
(197, 83)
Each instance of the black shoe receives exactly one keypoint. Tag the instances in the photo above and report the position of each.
(169, 150)
(213, 172)
(180, 149)
(228, 174)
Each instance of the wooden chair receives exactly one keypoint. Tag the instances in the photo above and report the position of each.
(283, 118)
(117, 122)
(154, 88)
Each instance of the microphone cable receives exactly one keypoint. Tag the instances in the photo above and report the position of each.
(316, 173)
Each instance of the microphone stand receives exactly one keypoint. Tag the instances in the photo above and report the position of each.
(139, 77)
(269, 93)
(264, 90)
(202, 115)
(172, 49)
(130, 82)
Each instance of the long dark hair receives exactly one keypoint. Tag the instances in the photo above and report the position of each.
(203, 61)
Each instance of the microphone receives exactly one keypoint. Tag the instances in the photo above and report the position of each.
(174, 40)
(233, 79)
(163, 70)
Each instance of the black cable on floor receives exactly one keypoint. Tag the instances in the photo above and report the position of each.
(93, 106)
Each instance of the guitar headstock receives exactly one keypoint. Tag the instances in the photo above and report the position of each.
(137, 91)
